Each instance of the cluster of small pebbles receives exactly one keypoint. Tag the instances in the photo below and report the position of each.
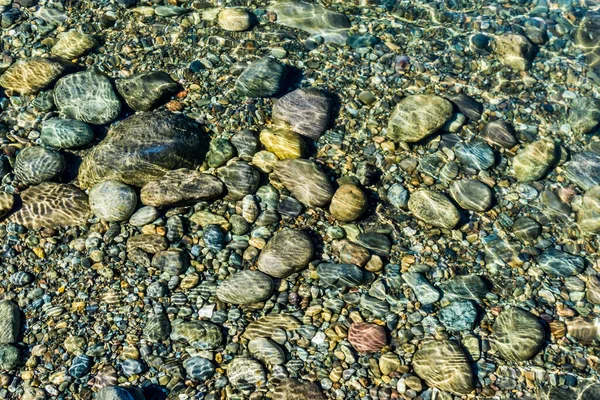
(295, 200)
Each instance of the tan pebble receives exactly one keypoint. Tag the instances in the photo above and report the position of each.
(349, 202)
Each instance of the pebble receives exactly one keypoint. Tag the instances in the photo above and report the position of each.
(433, 208)
(294, 389)
(246, 373)
(9, 357)
(245, 287)
(305, 111)
(7, 202)
(459, 316)
(37, 164)
(476, 155)
(418, 116)
(266, 351)
(288, 251)
(588, 216)
(10, 322)
(500, 134)
(199, 368)
(200, 335)
(66, 133)
(584, 115)
(472, 195)
(283, 142)
(340, 275)
(240, 179)
(73, 44)
(146, 90)
(30, 75)
(348, 203)
(515, 51)
(112, 201)
(144, 216)
(517, 334)
(235, 19)
(262, 78)
(425, 292)
(367, 338)
(559, 263)
(535, 160)
(584, 169)
(306, 181)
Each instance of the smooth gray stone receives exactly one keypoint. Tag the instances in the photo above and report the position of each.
(10, 322)
(262, 78)
(145, 91)
(559, 263)
(340, 275)
(245, 287)
(584, 170)
(66, 133)
(425, 292)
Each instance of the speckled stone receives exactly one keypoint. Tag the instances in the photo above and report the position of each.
(312, 18)
(417, 117)
(584, 115)
(288, 251)
(244, 371)
(145, 91)
(73, 44)
(201, 335)
(282, 142)
(367, 338)
(181, 186)
(433, 208)
(305, 180)
(245, 287)
(66, 133)
(294, 389)
(112, 201)
(10, 322)
(458, 316)
(559, 263)
(240, 179)
(267, 325)
(444, 365)
(87, 96)
(266, 351)
(348, 203)
(304, 111)
(7, 202)
(52, 205)
(517, 334)
(535, 160)
(471, 194)
(142, 148)
(515, 51)
(588, 216)
(262, 78)
(9, 357)
(38, 164)
(235, 19)
(28, 76)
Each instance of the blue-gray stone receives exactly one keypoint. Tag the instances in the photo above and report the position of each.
(199, 368)
(340, 275)
(476, 155)
(559, 263)
(584, 169)
(458, 316)
(80, 366)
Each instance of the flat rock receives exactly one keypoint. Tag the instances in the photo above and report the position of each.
(306, 181)
(588, 216)
(240, 179)
(37, 164)
(145, 91)
(476, 155)
(535, 160)
(584, 169)
(243, 372)
(52, 205)
(294, 389)
(283, 142)
(340, 275)
(459, 316)
(9, 357)
(10, 322)
(73, 44)
(148, 242)
(143, 148)
(468, 106)
(267, 325)
(181, 186)
(87, 96)
(112, 201)
(471, 194)
(515, 51)
(468, 287)
(262, 78)
(424, 291)
(500, 134)
(235, 19)
(517, 334)
(559, 263)
(313, 19)
(66, 133)
(433, 208)
(304, 111)
(29, 76)
(417, 117)
(245, 287)
(444, 365)
(200, 335)
(288, 251)
(199, 368)
(584, 115)
(267, 351)
(367, 338)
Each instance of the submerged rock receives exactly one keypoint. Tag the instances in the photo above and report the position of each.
(38, 164)
(73, 44)
(444, 365)
(200, 335)
(28, 76)
(52, 205)
(305, 180)
(535, 160)
(517, 335)
(588, 217)
(235, 19)
(348, 203)
(304, 111)
(112, 201)
(87, 96)
(312, 18)
(245, 287)
(262, 78)
(142, 148)
(10, 322)
(417, 117)
(144, 91)
(288, 251)
(240, 179)
(433, 208)
(560, 263)
(584, 115)
(515, 51)
(180, 186)
(283, 142)
(66, 133)
(584, 169)
(472, 194)
(367, 338)
(294, 389)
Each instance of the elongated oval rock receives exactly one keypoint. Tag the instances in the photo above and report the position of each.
(417, 117)
(262, 78)
(288, 251)
(28, 76)
(142, 148)
(304, 111)
(87, 96)
(267, 325)
(433, 208)
(472, 194)
(282, 142)
(243, 371)
(146, 90)
(588, 216)
(180, 186)
(73, 44)
(66, 133)
(305, 180)
(267, 351)
(38, 164)
(535, 160)
(517, 334)
(294, 389)
(584, 169)
(348, 203)
(199, 368)
(340, 275)
(559, 263)
(245, 287)
(444, 365)
(235, 19)
(10, 322)
(240, 179)
(52, 205)
(201, 335)
(367, 338)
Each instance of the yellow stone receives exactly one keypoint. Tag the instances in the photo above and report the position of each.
(348, 203)
(282, 142)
